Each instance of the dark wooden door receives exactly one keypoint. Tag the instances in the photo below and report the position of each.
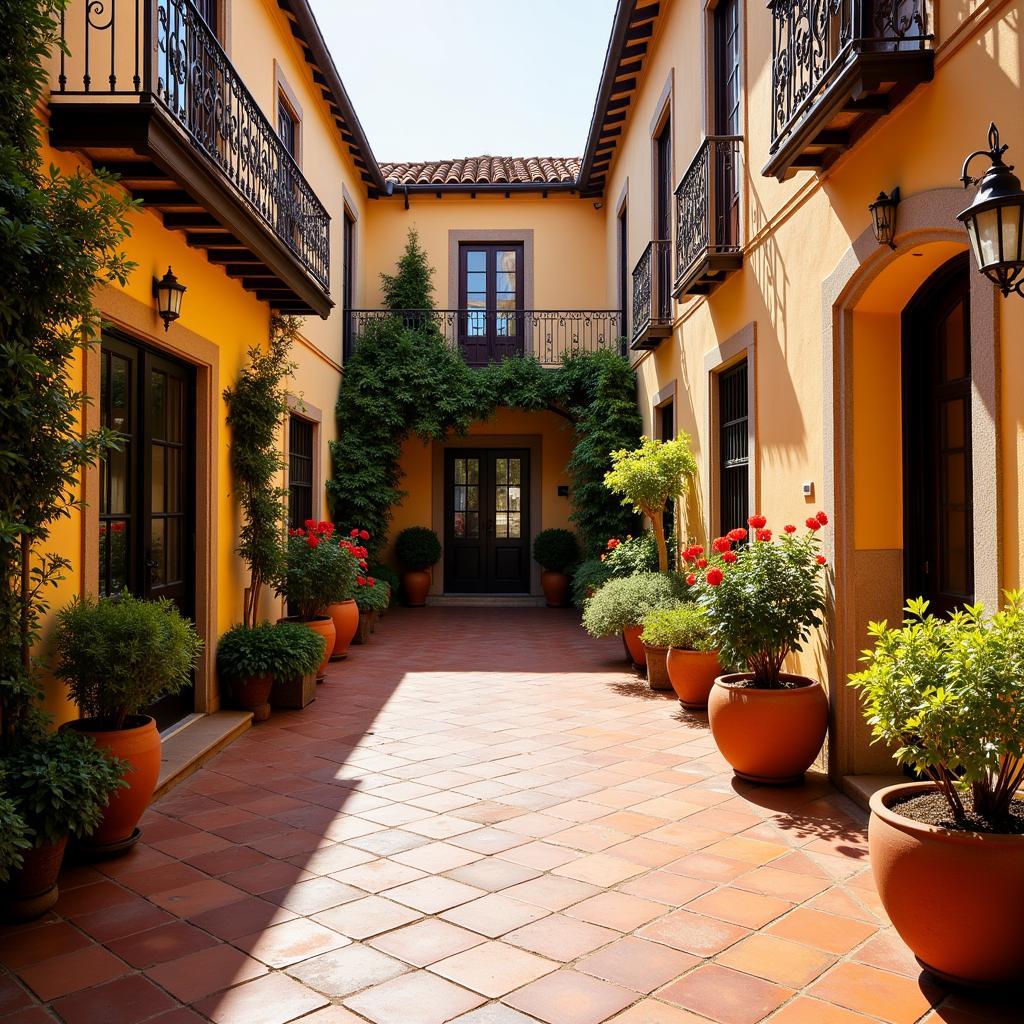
(491, 302)
(147, 486)
(487, 530)
(937, 490)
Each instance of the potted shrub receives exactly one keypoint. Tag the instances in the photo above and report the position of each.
(384, 573)
(343, 610)
(692, 660)
(763, 598)
(118, 656)
(556, 551)
(417, 550)
(372, 597)
(51, 787)
(621, 605)
(947, 854)
(296, 653)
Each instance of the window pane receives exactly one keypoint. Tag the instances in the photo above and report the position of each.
(157, 490)
(460, 499)
(513, 499)
(501, 524)
(514, 525)
(513, 471)
(117, 470)
(476, 260)
(501, 470)
(954, 346)
(119, 394)
(506, 260)
(460, 471)
(157, 554)
(472, 525)
(501, 499)
(953, 424)
(460, 525)
(506, 283)
(473, 498)
(474, 470)
(157, 398)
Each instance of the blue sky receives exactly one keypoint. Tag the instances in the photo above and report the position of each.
(452, 78)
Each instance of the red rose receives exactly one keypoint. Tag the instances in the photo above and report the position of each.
(729, 556)
(613, 543)
(821, 560)
(364, 534)
(758, 521)
(721, 544)
(813, 525)
(822, 518)
(362, 563)
(313, 540)
(353, 533)
(702, 563)
(764, 535)
(737, 535)
(714, 577)
(370, 581)
(698, 549)
(310, 524)
(790, 529)
(691, 579)
(361, 581)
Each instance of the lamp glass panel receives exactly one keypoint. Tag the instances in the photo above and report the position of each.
(1011, 233)
(988, 236)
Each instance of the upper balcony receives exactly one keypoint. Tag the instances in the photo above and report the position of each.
(488, 336)
(837, 67)
(146, 90)
(652, 295)
(708, 242)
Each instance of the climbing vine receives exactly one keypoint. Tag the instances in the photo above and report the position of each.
(406, 382)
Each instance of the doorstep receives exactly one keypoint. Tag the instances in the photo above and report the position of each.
(485, 601)
(193, 742)
(860, 788)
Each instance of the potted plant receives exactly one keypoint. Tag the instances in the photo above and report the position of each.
(947, 853)
(118, 656)
(621, 605)
(384, 573)
(51, 787)
(343, 610)
(417, 550)
(692, 660)
(372, 597)
(556, 551)
(295, 654)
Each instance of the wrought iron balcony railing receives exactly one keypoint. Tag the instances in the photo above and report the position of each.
(708, 217)
(161, 54)
(488, 336)
(839, 57)
(652, 295)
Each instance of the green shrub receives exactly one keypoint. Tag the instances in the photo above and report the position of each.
(417, 548)
(15, 835)
(388, 575)
(282, 650)
(319, 569)
(620, 558)
(373, 597)
(685, 628)
(589, 577)
(946, 693)
(627, 601)
(556, 550)
(119, 655)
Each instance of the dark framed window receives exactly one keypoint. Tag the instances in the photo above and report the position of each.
(727, 67)
(733, 448)
(300, 471)
(663, 214)
(347, 281)
(623, 244)
(208, 11)
(491, 286)
(287, 127)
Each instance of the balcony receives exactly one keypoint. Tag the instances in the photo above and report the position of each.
(485, 337)
(837, 67)
(652, 296)
(708, 243)
(146, 90)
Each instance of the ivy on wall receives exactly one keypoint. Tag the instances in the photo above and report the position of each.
(406, 382)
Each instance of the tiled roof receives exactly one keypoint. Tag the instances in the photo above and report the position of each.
(486, 170)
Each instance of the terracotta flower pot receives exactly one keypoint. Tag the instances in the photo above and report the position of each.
(556, 588)
(139, 745)
(657, 667)
(345, 616)
(253, 695)
(367, 620)
(416, 586)
(954, 897)
(32, 890)
(692, 674)
(324, 625)
(635, 647)
(770, 736)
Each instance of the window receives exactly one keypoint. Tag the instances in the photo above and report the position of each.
(287, 212)
(347, 282)
(733, 448)
(490, 301)
(663, 216)
(207, 10)
(300, 471)
(727, 68)
(287, 127)
(623, 244)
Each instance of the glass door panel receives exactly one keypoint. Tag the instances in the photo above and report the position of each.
(491, 300)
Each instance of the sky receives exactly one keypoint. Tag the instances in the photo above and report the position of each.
(435, 79)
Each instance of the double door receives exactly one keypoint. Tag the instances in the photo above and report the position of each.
(491, 317)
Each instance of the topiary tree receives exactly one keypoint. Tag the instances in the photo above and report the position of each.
(650, 476)
(411, 287)
(556, 550)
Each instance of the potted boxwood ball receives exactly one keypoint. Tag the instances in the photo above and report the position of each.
(621, 605)
(692, 660)
(372, 597)
(556, 551)
(763, 598)
(119, 656)
(948, 854)
(417, 550)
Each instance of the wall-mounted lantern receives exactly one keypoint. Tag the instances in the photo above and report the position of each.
(168, 291)
(883, 217)
(995, 220)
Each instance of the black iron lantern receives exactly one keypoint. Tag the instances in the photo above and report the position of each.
(995, 220)
(883, 217)
(168, 291)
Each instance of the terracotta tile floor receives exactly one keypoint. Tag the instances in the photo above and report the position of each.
(484, 818)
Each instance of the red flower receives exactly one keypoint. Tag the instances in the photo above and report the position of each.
(361, 581)
(813, 525)
(764, 535)
(370, 581)
(353, 533)
(822, 518)
(821, 560)
(790, 529)
(698, 549)
(364, 534)
(310, 524)
(613, 543)
(729, 556)
(757, 522)
(691, 579)
(362, 563)
(313, 540)
(721, 544)
(714, 577)
(702, 563)
(737, 535)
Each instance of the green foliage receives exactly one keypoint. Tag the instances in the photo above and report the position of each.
(620, 558)
(60, 238)
(257, 403)
(686, 628)
(61, 786)
(15, 835)
(627, 601)
(556, 550)
(119, 655)
(412, 286)
(388, 575)
(282, 650)
(319, 570)
(946, 693)
(417, 548)
(373, 597)
(588, 578)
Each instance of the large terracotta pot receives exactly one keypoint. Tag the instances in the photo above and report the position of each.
(324, 625)
(253, 694)
(416, 586)
(770, 736)
(345, 616)
(634, 645)
(138, 744)
(556, 588)
(692, 674)
(657, 667)
(956, 898)
(32, 890)
(367, 624)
